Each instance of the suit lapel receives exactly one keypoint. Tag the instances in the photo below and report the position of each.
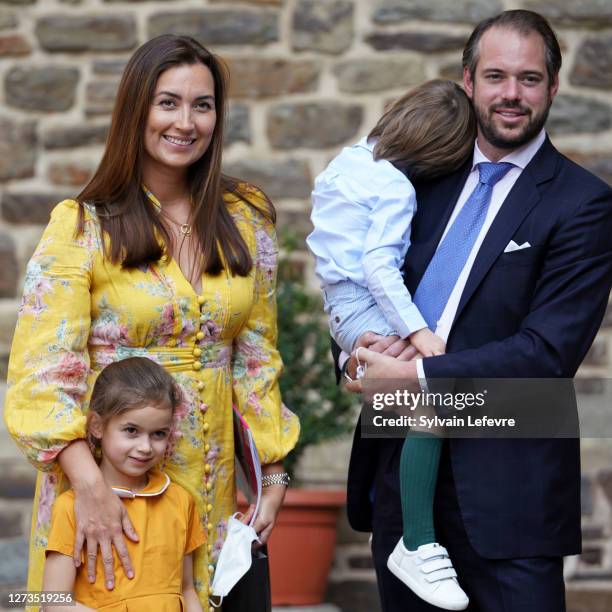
(522, 198)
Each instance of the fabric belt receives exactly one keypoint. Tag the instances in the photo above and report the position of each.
(173, 359)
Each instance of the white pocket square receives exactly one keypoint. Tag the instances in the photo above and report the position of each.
(512, 246)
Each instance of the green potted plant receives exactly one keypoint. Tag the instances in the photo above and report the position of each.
(308, 384)
(305, 533)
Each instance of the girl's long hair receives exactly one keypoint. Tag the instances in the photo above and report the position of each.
(429, 131)
(125, 212)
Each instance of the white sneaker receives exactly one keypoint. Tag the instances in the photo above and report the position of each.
(428, 571)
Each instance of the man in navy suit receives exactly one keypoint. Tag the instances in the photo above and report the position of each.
(528, 303)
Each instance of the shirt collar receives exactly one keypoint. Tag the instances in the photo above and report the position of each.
(367, 144)
(519, 157)
(158, 483)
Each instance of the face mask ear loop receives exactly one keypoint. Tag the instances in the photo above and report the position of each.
(216, 605)
(361, 368)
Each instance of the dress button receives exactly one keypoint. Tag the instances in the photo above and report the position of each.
(201, 299)
(196, 365)
(209, 526)
(208, 487)
(200, 385)
(209, 548)
(209, 508)
(206, 448)
(211, 569)
(205, 426)
(200, 336)
(203, 407)
(207, 468)
(211, 609)
(197, 352)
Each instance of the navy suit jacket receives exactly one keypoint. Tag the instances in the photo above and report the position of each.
(528, 313)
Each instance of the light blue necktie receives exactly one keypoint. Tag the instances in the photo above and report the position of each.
(444, 269)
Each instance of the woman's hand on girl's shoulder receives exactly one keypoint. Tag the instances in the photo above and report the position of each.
(101, 521)
(101, 518)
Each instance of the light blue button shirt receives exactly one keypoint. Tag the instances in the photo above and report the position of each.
(362, 211)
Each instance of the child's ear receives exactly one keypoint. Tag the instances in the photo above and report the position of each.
(95, 425)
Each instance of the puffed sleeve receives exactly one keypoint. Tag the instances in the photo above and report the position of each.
(256, 362)
(49, 362)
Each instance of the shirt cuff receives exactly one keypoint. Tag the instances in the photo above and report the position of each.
(407, 322)
(421, 374)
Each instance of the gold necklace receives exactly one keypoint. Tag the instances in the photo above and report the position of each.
(185, 228)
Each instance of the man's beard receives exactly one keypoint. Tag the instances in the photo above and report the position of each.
(522, 136)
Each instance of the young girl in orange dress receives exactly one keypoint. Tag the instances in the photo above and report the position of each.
(130, 427)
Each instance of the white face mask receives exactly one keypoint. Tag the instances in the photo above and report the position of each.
(235, 556)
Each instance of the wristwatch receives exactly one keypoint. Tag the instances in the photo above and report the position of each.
(280, 478)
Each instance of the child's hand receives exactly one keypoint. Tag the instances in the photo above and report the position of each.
(427, 343)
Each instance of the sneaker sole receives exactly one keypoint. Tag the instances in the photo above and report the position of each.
(415, 587)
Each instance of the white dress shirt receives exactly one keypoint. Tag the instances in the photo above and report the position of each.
(519, 158)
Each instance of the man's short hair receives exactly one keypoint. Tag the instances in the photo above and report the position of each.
(524, 22)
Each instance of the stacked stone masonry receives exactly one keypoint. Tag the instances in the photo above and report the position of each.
(308, 76)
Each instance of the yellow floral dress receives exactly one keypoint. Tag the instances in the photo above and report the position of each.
(80, 312)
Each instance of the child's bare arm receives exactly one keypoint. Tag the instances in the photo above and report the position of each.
(189, 593)
(59, 576)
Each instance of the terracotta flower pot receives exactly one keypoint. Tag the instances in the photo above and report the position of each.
(301, 548)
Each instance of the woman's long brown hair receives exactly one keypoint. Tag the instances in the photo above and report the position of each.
(126, 214)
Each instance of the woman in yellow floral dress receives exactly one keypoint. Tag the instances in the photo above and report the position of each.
(161, 256)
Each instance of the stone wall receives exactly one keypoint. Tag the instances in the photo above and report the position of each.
(307, 77)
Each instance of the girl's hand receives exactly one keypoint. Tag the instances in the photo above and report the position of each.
(427, 343)
(101, 520)
(189, 593)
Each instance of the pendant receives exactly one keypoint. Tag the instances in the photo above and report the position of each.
(185, 229)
